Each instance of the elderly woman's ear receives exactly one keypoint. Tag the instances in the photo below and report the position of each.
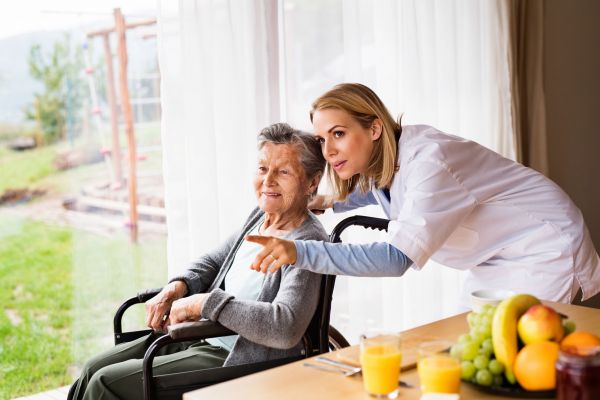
(313, 184)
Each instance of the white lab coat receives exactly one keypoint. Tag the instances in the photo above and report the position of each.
(466, 207)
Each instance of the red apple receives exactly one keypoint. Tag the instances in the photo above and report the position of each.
(540, 323)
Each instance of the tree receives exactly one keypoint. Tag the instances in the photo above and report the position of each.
(60, 75)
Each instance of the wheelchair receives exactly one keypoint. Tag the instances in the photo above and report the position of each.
(320, 337)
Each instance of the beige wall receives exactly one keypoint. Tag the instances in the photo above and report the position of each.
(572, 85)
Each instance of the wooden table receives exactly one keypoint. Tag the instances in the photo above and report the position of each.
(293, 381)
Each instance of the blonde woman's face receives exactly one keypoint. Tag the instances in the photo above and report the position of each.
(346, 145)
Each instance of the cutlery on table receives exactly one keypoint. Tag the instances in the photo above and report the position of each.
(350, 372)
(335, 363)
(351, 369)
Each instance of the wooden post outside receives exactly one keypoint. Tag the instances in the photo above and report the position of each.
(114, 112)
(100, 32)
(120, 30)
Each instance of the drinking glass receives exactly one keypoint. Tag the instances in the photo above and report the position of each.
(438, 372)
(380, 358)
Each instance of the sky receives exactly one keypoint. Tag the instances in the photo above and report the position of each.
(22, 16)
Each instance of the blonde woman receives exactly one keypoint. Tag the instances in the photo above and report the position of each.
(449, 199)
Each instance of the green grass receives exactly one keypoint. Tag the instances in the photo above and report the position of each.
(61, 287)
(21, 169)
(34, 168)
(35, 287)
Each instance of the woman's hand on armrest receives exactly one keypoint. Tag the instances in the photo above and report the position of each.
(187, 309)
(275, 253)
(157, 308)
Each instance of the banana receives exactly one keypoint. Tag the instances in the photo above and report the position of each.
(504, 330)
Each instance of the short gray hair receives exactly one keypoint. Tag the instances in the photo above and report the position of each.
(309, 149)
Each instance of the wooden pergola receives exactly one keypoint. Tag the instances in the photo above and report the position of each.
(120, 29)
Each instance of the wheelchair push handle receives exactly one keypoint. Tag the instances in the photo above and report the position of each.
(360, 220)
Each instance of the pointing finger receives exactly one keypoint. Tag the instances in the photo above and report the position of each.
(262, 240)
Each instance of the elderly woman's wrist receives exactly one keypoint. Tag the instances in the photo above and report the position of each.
(177, 289)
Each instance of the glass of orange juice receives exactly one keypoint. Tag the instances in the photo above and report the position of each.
(380, 358)
(438, 372)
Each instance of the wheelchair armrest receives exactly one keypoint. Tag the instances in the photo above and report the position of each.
(178, 333)
(198, 329)
(141, 297)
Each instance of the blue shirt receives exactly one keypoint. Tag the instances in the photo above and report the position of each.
(371, 259)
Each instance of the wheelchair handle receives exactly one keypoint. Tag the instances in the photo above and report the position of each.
(360, 220)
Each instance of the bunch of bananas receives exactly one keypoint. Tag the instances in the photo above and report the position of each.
(504, 330)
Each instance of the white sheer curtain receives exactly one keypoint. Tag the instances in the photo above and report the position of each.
(216, 61)
(441, 63)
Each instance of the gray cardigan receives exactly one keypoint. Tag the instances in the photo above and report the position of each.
(272, 326)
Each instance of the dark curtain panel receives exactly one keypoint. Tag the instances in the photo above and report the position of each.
(526, 30)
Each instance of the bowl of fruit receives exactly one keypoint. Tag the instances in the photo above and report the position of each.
(511, 348)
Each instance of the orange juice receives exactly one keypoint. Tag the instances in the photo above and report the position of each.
(380, 368)
(439, 374)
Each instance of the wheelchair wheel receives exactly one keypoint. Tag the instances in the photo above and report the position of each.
(336, 339)
(71, 394)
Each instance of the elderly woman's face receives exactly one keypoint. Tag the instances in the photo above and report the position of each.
(280, 183)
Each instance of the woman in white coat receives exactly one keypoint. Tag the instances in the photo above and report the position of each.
(448, 199)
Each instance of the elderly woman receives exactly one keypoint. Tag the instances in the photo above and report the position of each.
(269, 313)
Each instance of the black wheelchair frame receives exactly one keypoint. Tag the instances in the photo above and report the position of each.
(320, 337)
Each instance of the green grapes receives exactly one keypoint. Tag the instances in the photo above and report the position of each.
(464, 338)
(456, 350)
(473, 319)
(487, 330)
(469, 351)
(484, 377)
(487, 344)
(476, 350)
(486, 320)
(496, 367)
(481, 362)
(569, 326)
(467, 370)
(485, 352)
(478, 337)
(485, 309)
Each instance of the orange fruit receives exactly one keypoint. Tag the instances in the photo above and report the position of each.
(534, 366)
(580, 342)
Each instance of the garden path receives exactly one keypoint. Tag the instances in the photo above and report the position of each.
(56, 394)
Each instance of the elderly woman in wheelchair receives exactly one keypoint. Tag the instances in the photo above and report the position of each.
(270, 313)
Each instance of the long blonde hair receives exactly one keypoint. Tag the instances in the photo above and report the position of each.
(365, 107)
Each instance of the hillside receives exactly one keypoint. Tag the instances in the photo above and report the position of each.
(16, 86)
